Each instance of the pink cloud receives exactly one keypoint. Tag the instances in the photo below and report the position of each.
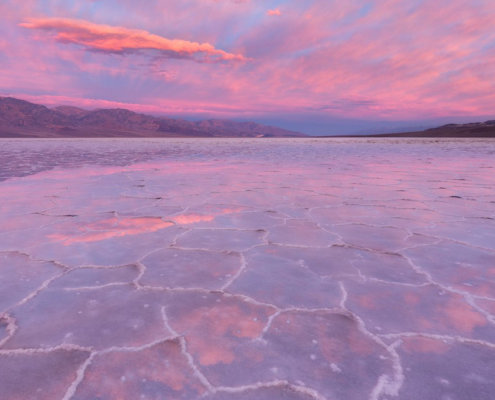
(274, 12)
(119, 39)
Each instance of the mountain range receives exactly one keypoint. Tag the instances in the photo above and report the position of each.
(20, 118)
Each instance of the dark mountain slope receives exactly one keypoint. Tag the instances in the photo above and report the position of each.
(19, 118)
(472, 130)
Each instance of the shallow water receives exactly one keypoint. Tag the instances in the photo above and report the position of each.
(247, 269)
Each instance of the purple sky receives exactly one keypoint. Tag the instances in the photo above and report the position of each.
(318, 66)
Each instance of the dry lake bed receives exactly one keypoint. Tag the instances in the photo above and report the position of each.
(243, 269)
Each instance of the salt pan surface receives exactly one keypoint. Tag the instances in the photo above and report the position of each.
(247, 269)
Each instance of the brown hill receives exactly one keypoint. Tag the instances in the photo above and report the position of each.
(20, 115)
(19, 118)
(71, 111)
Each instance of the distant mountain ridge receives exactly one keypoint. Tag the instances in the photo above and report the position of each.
(20, 118)
(471, 130)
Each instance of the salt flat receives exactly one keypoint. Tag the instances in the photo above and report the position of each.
(247, 269)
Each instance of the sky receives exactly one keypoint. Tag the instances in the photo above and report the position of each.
(316, 66)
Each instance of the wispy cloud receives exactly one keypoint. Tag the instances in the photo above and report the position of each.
(316, 60)
(117, 39)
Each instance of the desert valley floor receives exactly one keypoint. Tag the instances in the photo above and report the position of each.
(243, 269)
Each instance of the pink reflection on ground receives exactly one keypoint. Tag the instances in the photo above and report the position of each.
(192, 219)
(112, 228)
(213, 212)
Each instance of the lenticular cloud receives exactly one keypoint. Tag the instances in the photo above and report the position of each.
(117, 39)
